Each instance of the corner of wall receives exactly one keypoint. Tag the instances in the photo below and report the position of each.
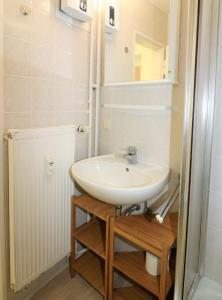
(2, 266)
(177, 119)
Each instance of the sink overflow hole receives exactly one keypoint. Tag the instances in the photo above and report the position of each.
(127, 169)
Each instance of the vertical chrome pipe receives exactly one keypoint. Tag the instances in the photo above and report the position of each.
(91, 68)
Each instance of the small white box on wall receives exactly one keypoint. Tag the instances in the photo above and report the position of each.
(80, 10)
(111, 16)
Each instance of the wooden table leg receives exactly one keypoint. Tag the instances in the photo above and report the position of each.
(163, 274)
(111, 257)
(107, 257)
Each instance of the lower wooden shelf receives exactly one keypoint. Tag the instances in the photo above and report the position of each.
(91, 268)
(131, 293)
(92, 235)
(132, 264)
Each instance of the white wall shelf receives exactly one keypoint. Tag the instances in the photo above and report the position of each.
(151, 108)
(139, 83)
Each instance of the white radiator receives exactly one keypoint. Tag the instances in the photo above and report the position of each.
(40, 190)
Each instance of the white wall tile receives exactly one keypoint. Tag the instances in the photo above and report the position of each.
(43, 119)
(46, 65)
(62, 66)
(16, 56)
(18, 92)
(63, 37)
(42, 95)
(149, 95)
(15, 24)
(80, 56)
(41, 62)
(17, 120)
(42, 27)
(71, 117)
(46, 6)
(149, 132)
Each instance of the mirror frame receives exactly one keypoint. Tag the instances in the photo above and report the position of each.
(173, 35)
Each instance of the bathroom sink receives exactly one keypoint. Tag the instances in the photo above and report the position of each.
(115, 181)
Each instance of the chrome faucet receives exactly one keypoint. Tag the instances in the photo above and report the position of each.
(130, 154)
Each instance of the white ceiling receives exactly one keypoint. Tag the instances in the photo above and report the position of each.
(164, 5)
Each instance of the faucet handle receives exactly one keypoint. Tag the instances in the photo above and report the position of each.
(132, 150)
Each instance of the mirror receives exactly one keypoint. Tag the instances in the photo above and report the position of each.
(140, 40)
(150, 58)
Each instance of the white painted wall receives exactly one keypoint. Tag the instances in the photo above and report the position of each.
(143, 17)
(213, 258)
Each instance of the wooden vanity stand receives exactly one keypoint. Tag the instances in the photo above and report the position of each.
(94, 235)
(150, 236)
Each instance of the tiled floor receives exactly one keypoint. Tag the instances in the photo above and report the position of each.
(208, 290)
(65, 288)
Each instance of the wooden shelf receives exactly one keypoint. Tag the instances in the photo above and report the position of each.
(92, 235)
(131, 293)
(97, 208)
(91, 268)
(146, 232)
(158, 239)
(132, 264)
(93, 265)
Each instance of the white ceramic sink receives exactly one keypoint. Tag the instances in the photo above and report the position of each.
(117, 182)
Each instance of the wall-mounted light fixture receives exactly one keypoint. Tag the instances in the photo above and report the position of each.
(80, 10)
(111, 16)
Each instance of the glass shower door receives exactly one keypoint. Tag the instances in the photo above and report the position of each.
(196, 165)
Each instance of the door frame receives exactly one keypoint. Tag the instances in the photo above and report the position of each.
(2, 228)
(190, 73)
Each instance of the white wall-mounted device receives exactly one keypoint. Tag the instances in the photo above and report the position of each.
(111, 16)
(80, 10)
(50, 165)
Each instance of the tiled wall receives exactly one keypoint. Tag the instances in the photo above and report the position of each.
(157, 136)
(148, 131)
(46, 67)
(213, 259)
(46, 75)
